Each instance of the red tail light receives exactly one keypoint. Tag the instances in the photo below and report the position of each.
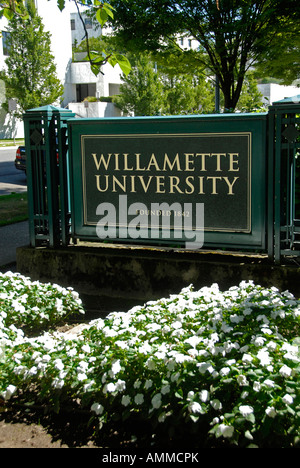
(18, 154)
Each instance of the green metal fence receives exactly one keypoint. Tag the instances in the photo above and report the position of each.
(47, 175)
(284, 179)
(51, 186)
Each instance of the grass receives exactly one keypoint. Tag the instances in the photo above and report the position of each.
(11, 142)
(13, 208)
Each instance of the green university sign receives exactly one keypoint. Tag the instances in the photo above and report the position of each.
(196, 179)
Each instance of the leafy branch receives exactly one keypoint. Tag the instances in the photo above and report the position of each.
(103, 11)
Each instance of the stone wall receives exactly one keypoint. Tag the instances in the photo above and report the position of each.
(115, 277)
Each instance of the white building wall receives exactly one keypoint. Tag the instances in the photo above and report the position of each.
(9, 127)
(73, 74)
(77, 29)
(273, 92)
(58, 24)
(94, 109)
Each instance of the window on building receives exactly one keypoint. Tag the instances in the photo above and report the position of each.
(114, 88)
(5, 45)
(84, 90)
(73, 27)
(88, 23)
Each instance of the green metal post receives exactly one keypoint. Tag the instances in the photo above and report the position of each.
(270, 188)
(46, 183)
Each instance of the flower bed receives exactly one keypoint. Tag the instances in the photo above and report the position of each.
(203, 367)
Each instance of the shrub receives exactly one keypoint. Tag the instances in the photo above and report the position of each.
(202, 368)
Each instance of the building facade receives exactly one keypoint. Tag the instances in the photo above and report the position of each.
(79, 82)
(66, 30)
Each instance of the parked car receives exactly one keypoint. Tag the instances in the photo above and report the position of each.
(20, 161)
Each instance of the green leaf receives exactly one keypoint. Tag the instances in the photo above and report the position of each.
(122, 61)
(61, 4)
(95, 69)
(101, 16)
(108, 8)
(9, 14)
(104, 12)
(194, 418)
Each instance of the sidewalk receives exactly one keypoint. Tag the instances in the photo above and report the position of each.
(11, 237)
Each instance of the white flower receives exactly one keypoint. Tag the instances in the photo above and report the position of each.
(175, 377)
(148, 384)
(204, 396)
(226, 328)
(86, 348)
(224, 371)
(145, 348)
(81, 376)
(285, 371)
(115, 368)
(97, 408)
(88, 386)
(247, 311)
(120, 385)
(139, 399)
(216, 404)
(32, 371)
(246, 410)
(83, 365)
(288, 399)
(264, 357)
(150, 363)
(236, 318)
(137, 384)
(247, 358)
(205, 366)
(225, 431)
(162, 417)
(110, 387)
(72, 352)
(256, 386)
(195, 407)
(165, 389)
(59, 305)
(259, 341)
(152, 327)
(58, 383)
(58, 364)
(269, 383)
(109, 332)
(262, 318)
(156, 401)
(121, 344)
(125, 400)
(242, 381)
(271, 412)
(272, 345)
(177, 324)
(11, 389)
(193, 341)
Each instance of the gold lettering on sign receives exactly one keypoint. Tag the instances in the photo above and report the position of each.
(109, 164)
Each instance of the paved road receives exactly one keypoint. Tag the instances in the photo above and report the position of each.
(11, 237)
(14, 235)
(11, 179)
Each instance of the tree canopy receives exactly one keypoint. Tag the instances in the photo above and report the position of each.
(30, 75)
(101, 12)
(232, 34)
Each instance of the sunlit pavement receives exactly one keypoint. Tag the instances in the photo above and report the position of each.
(11, 237)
